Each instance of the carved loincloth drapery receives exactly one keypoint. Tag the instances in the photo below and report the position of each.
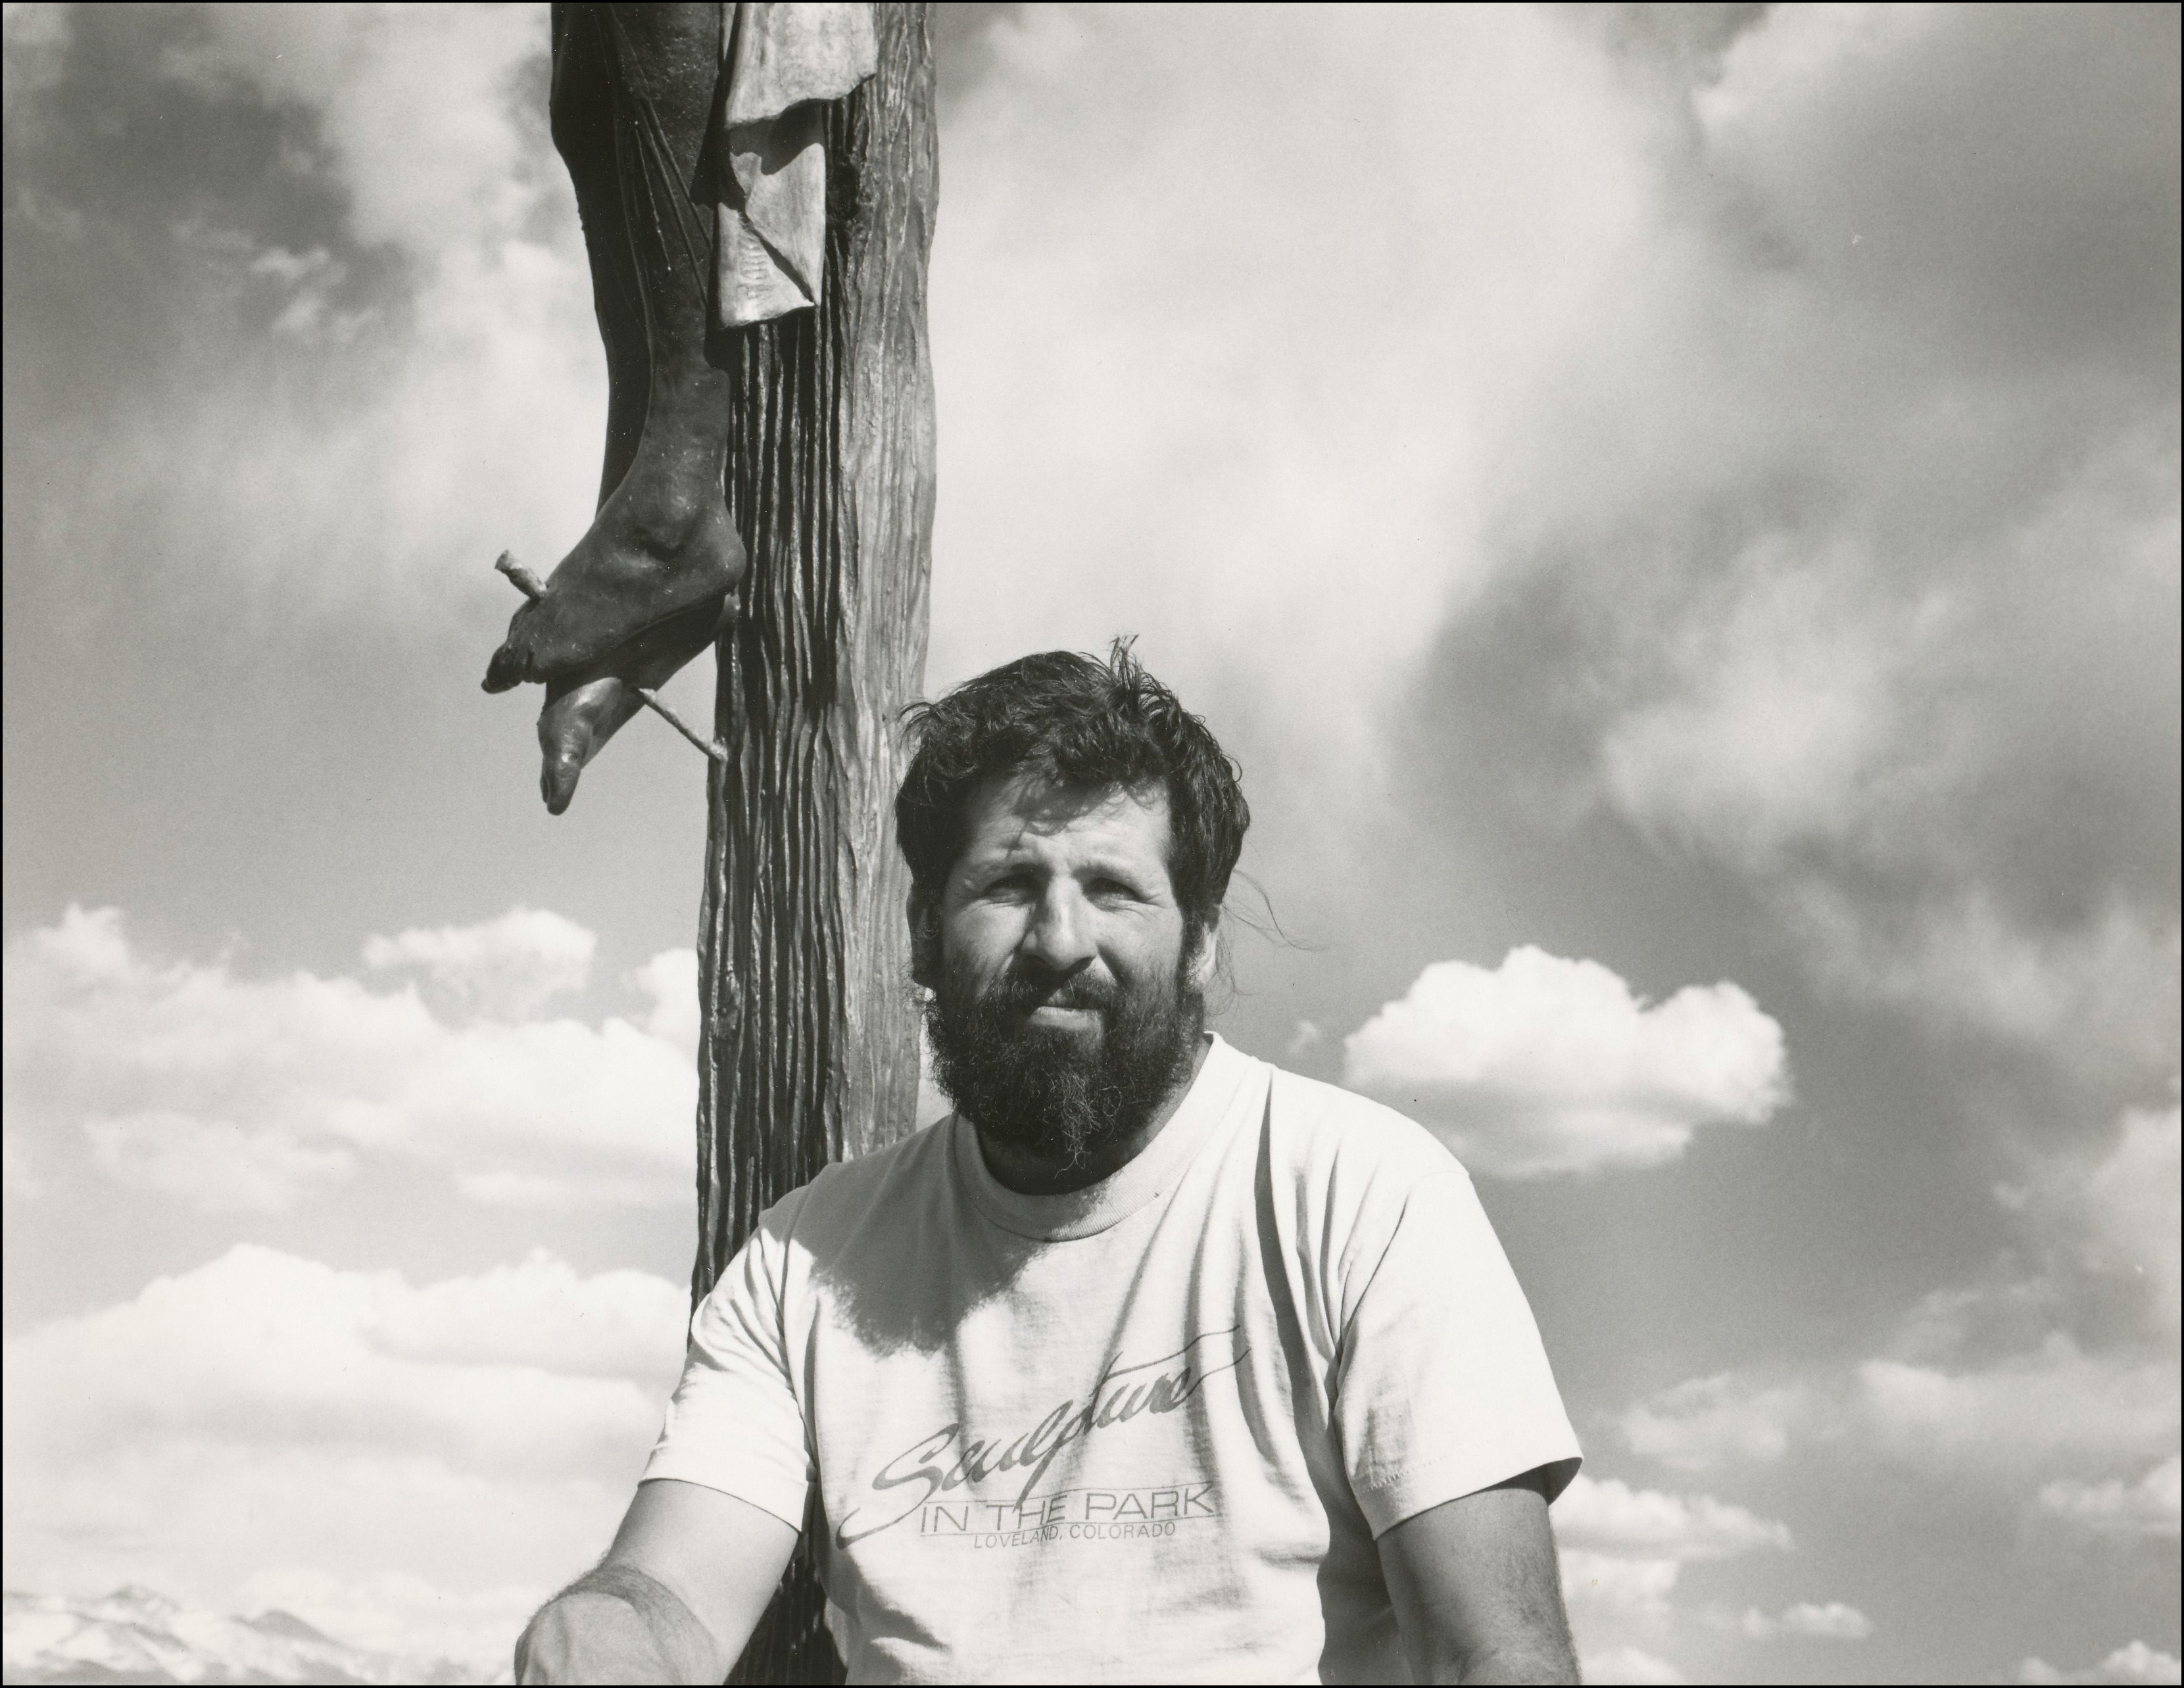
(783, 62)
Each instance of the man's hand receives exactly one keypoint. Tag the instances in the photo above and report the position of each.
(677, 1597)
(1477, 1594)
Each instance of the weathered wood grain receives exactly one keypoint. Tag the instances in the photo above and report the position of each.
(808, 1051)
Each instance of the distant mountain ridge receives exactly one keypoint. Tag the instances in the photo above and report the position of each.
(137, 1635)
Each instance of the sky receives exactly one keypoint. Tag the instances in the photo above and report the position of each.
(1675, 509)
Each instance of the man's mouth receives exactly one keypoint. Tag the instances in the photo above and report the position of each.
(1073, 997)
(1061, 1013)
(1070, 1010)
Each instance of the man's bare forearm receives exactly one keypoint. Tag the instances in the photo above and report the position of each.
(1477, 1589)
(617, 1624)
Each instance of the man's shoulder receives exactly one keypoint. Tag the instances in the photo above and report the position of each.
(1320, 1134)
(1343, 1172)
(846, 1194)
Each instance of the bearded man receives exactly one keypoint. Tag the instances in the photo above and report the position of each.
(1149, 1363)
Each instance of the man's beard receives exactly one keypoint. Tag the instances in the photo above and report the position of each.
(1055, 1090)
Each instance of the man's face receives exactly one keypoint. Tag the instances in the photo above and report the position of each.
(1065, 1004)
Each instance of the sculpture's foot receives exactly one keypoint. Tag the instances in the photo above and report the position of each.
(583, 711)
(578, 718)
(662, 545)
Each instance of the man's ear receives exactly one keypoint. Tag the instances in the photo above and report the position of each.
(1206, 955)
(923, 911)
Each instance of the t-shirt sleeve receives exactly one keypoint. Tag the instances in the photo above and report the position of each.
(735, 1424)
(1442, 1385)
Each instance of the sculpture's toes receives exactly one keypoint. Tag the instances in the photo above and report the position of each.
(512, 664)
(577, 720)
(581, 715)
(504, 673)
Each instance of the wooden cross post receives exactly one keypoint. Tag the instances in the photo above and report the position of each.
(809, 1046)
(808, 1040)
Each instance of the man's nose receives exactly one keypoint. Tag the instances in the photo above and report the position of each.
(1060, 936)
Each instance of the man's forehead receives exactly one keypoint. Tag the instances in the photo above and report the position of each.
(1031, 802)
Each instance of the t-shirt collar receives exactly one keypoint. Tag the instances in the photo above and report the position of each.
(1095, 1208)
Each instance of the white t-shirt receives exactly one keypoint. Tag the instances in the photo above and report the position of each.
(1144, 1433)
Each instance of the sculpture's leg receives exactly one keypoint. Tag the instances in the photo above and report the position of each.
(662, 544)
(583, 122)
(582, 714)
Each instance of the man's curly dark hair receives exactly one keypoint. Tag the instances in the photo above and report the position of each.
(1084, 723)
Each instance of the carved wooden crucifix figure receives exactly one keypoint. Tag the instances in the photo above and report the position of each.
(757, 185)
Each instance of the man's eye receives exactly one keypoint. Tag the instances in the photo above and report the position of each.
(1111, 891)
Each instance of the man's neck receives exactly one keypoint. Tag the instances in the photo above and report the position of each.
(1027, 1172)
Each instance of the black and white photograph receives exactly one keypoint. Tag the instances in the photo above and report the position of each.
(1092, 842)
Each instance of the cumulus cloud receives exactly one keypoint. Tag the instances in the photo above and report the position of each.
(2099, 996)
(1623, 1552)
(2127, 1202)
(268, 1426)
(1779, 711)
(1623, 1548)
(670, 979)
(1606, 1514)
(2005, 1422)
(2090, 1424)
(1831, 1622)
(2059, 1388)
(2084, 1441)
(2150, 1507)
(527, 1369)
(235, 1093)
(1707, 1422)
(510, 968)
(1543, 1065)
(2056, 1404)
(213, 1165)
(2134, 1662)
(539, 1313)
